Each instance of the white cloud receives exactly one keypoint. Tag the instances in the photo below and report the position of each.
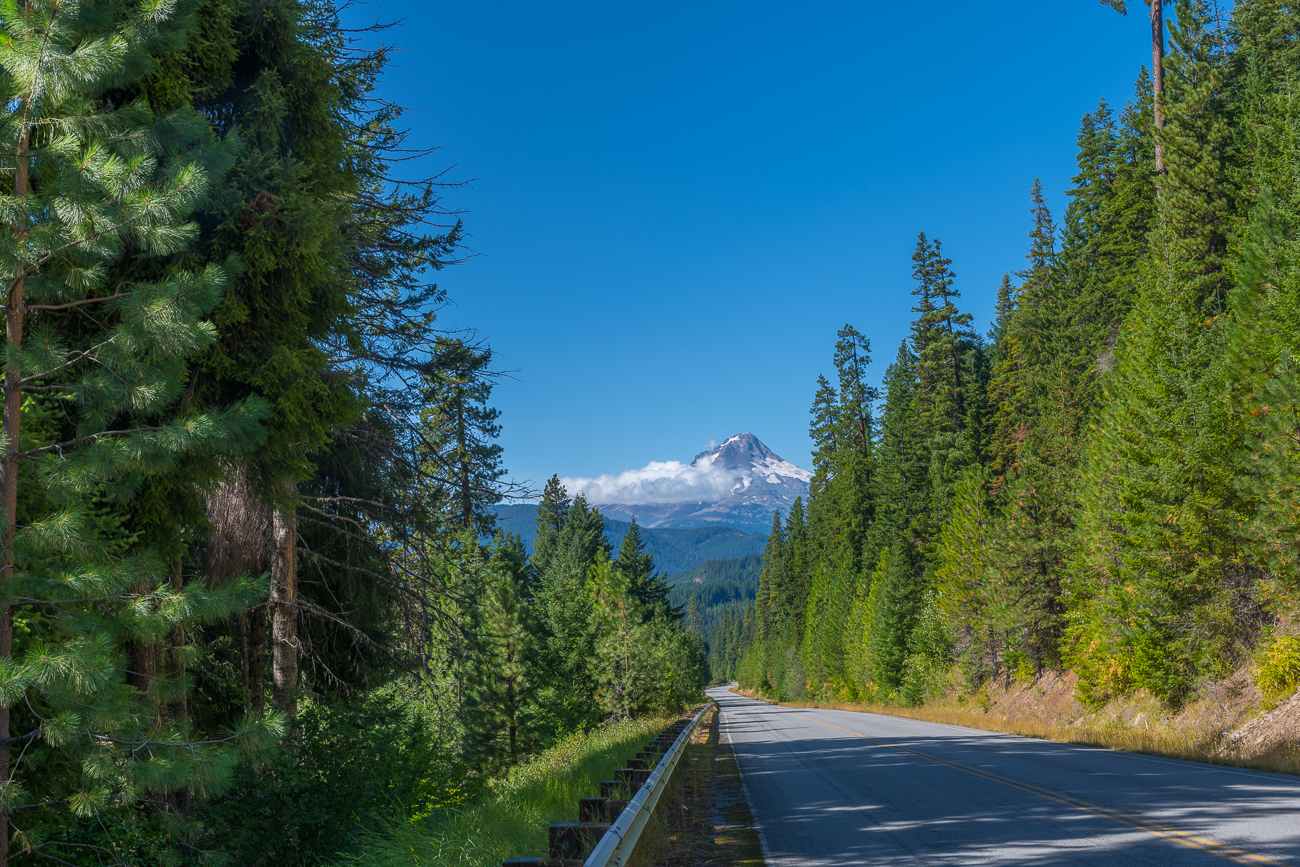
(658, 482)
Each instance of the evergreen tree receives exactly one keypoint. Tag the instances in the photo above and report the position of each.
(945, 371)
(894, 604)
(771, 581)
(1006, 391)
(458, 429)
(1264, 312)
(1163, 618)
(823, 432)
(694, 617)
(1157, 65)
(552, 510)
(902, 489)
(100, 321)
(969, 592)
(638, 568)
(498, 703)
(567, 687)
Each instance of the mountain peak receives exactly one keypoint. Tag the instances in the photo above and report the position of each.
(739, 482)
(743, 450)
(759, 480)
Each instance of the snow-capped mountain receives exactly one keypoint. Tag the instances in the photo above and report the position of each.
(752, 482)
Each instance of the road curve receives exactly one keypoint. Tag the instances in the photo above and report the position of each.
(844, 788)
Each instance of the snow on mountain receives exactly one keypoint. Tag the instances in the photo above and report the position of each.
(738, 483)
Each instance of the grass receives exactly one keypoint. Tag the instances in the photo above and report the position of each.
(512, 817)
(1189, 743)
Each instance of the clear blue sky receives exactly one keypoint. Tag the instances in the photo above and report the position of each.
(675, 206)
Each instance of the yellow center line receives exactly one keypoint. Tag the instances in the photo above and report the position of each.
(1222, 850)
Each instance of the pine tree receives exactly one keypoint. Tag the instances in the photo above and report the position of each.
(897, 591)
(1164, 616)
(100, 322)
(1157, 64)
(945, 353)
(458, 430)
(852, 355)
(902, 491)
(771, 581)
(567, 633)
(638, 568)
(497, 709)
(838, 510)
(1262, 346)
(796, 556)
(1262, 75)
(1006, 392)
(694, 617)
(966, 582)
(552, 511)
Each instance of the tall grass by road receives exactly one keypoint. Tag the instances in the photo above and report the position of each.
(511, 818)
(1197, 743)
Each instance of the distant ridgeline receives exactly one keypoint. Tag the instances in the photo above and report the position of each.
(675, 550)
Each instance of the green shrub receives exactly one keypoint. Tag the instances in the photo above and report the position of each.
(344, 765)
(1279, 667)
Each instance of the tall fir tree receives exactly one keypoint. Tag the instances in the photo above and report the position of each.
(498, 709)
(643, 583)
(458, 433)
(945, 348)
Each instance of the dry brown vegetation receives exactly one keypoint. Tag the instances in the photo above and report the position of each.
(1230, 724)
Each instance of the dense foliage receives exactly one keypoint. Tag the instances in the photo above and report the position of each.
(1106, 482)
(250, 592)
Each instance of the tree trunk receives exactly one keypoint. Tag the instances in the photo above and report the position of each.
(466, 498)
(13, 399)
(284, 607)
(144, 667)
(514, 717)
(179, 709)
(256, 661)
(1158, 75)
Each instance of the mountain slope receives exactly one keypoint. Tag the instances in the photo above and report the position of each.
(675, 550)
(718, 585)
(761, 482)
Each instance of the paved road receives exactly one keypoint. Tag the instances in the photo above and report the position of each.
(843, 788)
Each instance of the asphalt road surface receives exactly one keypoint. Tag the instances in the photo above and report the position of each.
(836, 787)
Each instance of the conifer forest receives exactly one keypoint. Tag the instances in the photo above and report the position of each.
(251, 593)
(1105, 483)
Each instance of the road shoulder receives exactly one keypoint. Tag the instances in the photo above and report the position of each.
(704, 817)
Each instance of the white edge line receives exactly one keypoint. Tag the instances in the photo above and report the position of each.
(749, 800)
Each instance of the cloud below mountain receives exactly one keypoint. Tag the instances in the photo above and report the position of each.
(657, 482)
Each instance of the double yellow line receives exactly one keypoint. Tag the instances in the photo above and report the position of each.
(1231, 853)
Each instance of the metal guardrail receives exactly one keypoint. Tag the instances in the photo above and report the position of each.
(616, 846)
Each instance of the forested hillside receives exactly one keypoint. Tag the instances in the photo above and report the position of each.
(675, 550)
(246, 605)
(1105, 482)
(716, 596)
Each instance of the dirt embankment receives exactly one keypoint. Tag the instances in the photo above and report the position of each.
(1228, 724)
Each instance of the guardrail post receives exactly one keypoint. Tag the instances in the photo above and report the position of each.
(647, 785)
(613, 808)
(611, 842)
(591, 809)
(575, 839)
